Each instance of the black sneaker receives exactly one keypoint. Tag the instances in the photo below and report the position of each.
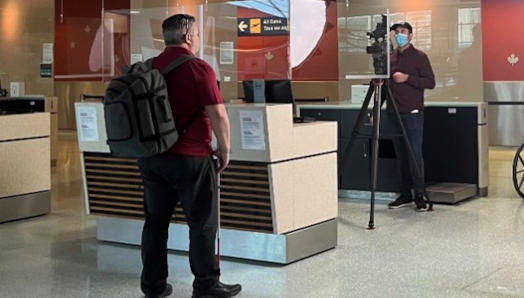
(421, 204)
(400, 202)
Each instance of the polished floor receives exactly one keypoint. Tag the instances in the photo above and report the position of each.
(473, 249)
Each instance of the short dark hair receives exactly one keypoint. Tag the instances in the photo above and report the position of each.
(176, 27)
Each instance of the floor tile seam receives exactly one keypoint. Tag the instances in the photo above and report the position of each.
(484, 278)
(501, 176)
(494, 294)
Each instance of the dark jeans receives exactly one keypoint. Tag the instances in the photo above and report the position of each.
(414, 125)
(169, 178)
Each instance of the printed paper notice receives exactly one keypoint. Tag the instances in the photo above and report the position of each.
(47, 53)
(227, 52)
(88, 124)
(136, 58)
(252, 127)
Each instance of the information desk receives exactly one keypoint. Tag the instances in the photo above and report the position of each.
(278, 196)
(25, 165)
(455, 145)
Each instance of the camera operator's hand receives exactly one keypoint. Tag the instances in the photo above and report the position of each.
(400, 77)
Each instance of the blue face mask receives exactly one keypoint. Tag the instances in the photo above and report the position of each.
(402, 39)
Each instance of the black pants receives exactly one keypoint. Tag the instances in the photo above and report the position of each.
(169, 178)
(414, 125)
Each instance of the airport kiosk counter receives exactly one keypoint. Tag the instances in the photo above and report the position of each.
(455, 148)
(278, 196)
(25, 165)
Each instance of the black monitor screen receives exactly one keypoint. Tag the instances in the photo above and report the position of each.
(248, 91)
(279, 91)
(254, 91)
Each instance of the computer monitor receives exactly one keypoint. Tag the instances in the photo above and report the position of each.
(279, 91)
(268, 91)
(254, 91)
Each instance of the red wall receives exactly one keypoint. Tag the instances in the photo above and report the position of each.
(77, 16)
(252, 63)
(322, 64)
(502, 35)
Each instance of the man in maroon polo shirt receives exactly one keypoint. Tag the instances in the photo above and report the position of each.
(187, 173)
(411, 75)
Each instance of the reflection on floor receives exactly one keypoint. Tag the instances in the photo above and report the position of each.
(473, 249)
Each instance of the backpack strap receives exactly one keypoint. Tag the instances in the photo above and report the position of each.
(190, 121)
(179, 61)
(134, 67)
(172, 66)
(149, 63)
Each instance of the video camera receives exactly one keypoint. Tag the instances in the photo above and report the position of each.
(379, 47)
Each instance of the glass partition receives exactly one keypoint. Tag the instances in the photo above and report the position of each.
(449, 33)
(365, 46)
(320, 45)
(26, 33)
(241, 40)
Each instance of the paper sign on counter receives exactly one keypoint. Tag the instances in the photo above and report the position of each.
(252, 127)
(88, 124)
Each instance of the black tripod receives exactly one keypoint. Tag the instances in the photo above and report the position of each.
(376, 87)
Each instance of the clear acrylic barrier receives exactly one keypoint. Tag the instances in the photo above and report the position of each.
(364, 45)
(241, 40)
(449, 33)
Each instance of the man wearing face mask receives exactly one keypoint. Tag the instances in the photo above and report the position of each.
(411, 75)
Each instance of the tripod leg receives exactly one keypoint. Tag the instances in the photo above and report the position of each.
(356, 129)
(374, 153)
(418, 170)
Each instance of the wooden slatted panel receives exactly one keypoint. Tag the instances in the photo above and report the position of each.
(115, 189)
(245, 197)
(109, 178)
(222, 179)
(98, 171)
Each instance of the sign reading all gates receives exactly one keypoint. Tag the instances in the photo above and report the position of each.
(262, 26)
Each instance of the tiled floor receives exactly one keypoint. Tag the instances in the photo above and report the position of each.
(473, 249)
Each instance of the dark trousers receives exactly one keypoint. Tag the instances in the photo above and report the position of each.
(169, 178)
(414, 126)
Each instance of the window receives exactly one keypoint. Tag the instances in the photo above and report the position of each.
(468, 18)
(421, 23)
(353, 33)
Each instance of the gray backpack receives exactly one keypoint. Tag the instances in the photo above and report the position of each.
(138, 116)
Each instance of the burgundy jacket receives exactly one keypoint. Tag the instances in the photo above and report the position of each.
(409, 95)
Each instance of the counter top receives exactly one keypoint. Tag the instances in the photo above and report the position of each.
(277, 137)
(24, 126)
(349, 105)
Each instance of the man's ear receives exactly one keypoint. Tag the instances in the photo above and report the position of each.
(188, 38)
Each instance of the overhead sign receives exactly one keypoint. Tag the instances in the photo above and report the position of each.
(262, 26)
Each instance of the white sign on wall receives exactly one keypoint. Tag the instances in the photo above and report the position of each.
(227, 52)
(47, 53)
